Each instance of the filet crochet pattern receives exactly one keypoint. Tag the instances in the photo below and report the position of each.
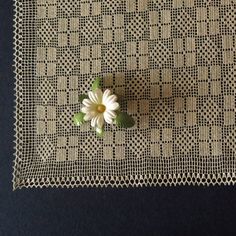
(172, 63)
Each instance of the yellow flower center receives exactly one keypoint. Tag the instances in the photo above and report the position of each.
(101, 108)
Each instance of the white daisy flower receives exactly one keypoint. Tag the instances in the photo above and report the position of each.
(100, 107)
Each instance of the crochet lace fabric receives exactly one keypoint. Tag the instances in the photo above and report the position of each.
(171, 62)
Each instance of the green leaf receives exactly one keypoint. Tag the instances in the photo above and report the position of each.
(96, 83)
(82, 97)
(79, 118)
(123, 120)
(100, 132)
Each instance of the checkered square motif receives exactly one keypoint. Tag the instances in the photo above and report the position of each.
(185, 111)
(67, 90)
(90, 59)
(160, 26)
(172, 64)
(137, 55)
(68, 31)
(113, 145)
(46, 9)
(67, 148)
(46, 61)
(113, 28)
(46, 120)
(210, 141)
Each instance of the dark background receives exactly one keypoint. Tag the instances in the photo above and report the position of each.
(184, 210)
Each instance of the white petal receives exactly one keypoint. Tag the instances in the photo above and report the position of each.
(100, 121)
(110, 113)
(87, 102)
(84, 109)
(113, 106)
(98, 94)
(108, 118)
(106, 94)
(88, 109)
(94, 121)
(110, 99)
(89, 116)
(92, 97)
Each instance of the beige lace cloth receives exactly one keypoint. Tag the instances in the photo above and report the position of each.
(173, 65)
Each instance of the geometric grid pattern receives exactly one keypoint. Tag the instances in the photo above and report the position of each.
(173, 64)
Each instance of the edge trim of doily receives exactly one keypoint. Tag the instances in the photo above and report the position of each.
(18, 90)
(133, 180)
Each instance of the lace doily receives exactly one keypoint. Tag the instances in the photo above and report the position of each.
(172, 63)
